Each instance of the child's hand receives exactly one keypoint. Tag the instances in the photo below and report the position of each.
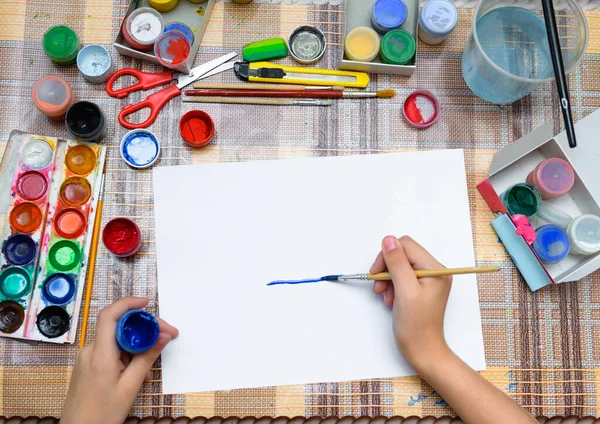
(106, 381)
(418, 304)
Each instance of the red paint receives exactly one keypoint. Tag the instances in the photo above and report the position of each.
(32, 185)
(122, 237)
(70, 223)
(179, 48)
(414, 114)
(196, 128)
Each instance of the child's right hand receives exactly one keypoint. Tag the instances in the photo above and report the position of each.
(419, 305)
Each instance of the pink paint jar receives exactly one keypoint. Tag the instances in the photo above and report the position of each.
(553, 177)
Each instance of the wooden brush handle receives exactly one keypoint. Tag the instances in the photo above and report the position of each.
(385, 276)
(321, 94)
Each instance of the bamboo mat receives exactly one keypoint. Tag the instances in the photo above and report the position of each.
(542, 349)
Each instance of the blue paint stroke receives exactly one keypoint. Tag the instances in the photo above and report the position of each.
(294, 282)
(420, 398)
(512, 380)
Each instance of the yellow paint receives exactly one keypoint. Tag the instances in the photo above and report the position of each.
(362, 44)
(163, 5)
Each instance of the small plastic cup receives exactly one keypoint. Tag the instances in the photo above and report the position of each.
(61, 44)
(522, 199)
(172, 48)
(552, 244)
(553, 177)
(362, 44)
(142, 28)
(584, 233)
(52, 96)
(196, 128)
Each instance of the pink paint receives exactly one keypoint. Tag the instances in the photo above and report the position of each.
(524, 228)
(553, 177)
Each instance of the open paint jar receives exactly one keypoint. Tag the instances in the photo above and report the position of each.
(37, 154)
(387, 15)
(122, 237)
(52, 96)
(64, 255)
(94, 63)
(31, 185)
(552, 243)
(307, 44)
(85, 120)
(75, 191)
(61, 44)
(140, 149)
(70, 223)
(362, 44)
(137, 331)
(421, 109)
(59, 289)
(142, 28)
(53, 321)
(12, 316)
(172, 48)
(180, 26)
(15, 282)
(26, 217)
(553, 177)
(522, 199)
(19, 249)
(196, 128)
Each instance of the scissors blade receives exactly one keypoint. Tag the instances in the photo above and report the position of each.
(199, 71)
(218, 70)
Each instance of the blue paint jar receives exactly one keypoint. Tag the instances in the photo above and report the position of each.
(180, 26)
(59, 289)
(552, 243)
(437, 20)
(94, 63)
(387, 15)
(140, 148)
(137, 331)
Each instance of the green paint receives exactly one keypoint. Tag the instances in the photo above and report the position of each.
(15, 282)
(30, 62)
(90, 17)
(61, 44)
(522, 199)
(35, 16)
(64, 255)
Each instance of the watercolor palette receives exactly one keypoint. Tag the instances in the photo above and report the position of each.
(49, 190)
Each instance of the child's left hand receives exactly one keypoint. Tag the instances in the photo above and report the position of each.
(106, 381)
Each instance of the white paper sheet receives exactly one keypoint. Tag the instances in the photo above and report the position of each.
(223, 231)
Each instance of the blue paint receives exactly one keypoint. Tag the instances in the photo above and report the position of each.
(137, 331)
(140, 148)
(20, 249)
(388, 15)
(293, 282)
(59, 289)
(180, 26)
(552, 243)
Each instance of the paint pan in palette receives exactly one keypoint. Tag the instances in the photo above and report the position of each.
(49, 310)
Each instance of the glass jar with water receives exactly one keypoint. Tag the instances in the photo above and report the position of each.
(507, 55)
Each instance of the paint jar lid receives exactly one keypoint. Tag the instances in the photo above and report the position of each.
(196, 128)
(172, 48)
(584, 232)
(53, 321)
(421, 109)
(12, 316)
(180, 26)
(143, 27)
(58, 288)
(52, 96)
(362, 44)
(307, 44)
(94, 63)
(398, 47)
(388, 14)
(137, 331)
(163, 5)
(61, 44)
(122, 237)
(140, 148)
(552, 243)
(438, 18)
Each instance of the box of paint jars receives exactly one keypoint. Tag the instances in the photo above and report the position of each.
(546, 196)
(167, 32)
(49, 189)
(380, 36)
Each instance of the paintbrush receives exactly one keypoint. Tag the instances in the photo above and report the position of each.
(248, 101)
(385, 276)
(322, 94)
(92, 265)
(258, 86)
(559, 70)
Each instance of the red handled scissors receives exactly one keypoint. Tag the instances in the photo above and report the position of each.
(156, 101)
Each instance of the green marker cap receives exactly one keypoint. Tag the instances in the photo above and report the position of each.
(398, 47)
(272, 48)
(61, 44)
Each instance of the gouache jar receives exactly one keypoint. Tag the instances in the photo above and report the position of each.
(172, 48)
(180, 26)
(552, 244)
(137, 331)
(584, 233)
(387, 15)
(85, 120)
(398, 47)
(122, 237)
(142, 28)
(362, 44)
(12, 316)
(61, 44)
(163, 5)
(140, 148)
(52, 96)
(196, 128)
(421, 109)
(94, 63)
(522, 199)
(437, 20)
(553, 177)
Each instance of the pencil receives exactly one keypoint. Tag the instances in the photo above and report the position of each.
(92, 266)
(385, 276)
(255, 101)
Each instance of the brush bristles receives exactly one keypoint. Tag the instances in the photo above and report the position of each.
(386, 94)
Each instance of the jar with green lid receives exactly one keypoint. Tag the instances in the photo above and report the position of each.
(61, 44)
(398, 47)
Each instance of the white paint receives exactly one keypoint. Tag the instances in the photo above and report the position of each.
(37, 154)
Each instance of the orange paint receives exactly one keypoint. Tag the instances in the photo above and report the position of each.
(25, 217)
(69, 223)
(75, 191)
(80, 159)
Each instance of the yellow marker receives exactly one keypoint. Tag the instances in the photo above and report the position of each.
(362, 44)
(272, 72)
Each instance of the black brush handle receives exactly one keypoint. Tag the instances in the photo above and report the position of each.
(559, 70)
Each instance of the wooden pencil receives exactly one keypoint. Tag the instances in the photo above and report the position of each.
(92, 266)
(258, 101)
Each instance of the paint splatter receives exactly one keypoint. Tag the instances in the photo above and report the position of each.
(200, 12)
